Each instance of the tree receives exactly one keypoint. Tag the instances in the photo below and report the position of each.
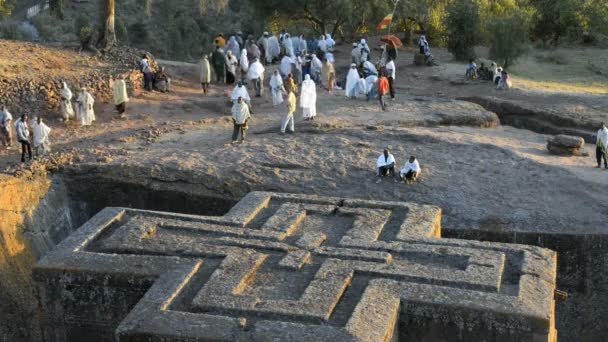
(107, 32)
(463, 26)
(56, 8)
(5, 8)
(556, 18)
(510, 35)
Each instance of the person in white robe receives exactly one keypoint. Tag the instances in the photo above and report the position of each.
(67, 110)
(322, 44)
(256, 76)
(263, 44)
(241, 91)
(233, 46)
(365, 51)
(361, 86)
(231, 64)
(240, 119)
(86, 113)
(330, 57)
(6, 119)
(120, 96)
(385, 165)
(355, 54)
(276, 88)
(204, 73)
(330, 42)
(371, 83)
(244, 63)
(42, 144)
(288, 45)
(286, 65)
(411, 170)
(601, 149)
(369, 69)
(316, 66)
(308, 99)
(352, 80)
(274, 49)
(303, 45)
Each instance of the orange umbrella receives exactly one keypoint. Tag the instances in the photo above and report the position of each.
(392, 40)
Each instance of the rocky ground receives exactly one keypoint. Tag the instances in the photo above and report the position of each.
(484, 175)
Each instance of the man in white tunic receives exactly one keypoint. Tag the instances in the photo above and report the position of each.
(411, 170)
(355, 54)
(86, 113)
(67, 110)
(391, 72)
(308, 99)
(120, 96)
(601, 149)
(42, 144)
(276, 88)
(350, 89)
(256, 76)
(385, 166)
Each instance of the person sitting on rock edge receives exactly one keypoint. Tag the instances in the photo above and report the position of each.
(385, 166)
(411, 170)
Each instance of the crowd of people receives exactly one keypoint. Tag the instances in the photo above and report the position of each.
(38, 136)
(494, 73)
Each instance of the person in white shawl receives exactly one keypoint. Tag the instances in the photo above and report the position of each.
(411, 170)
(322, 44)
(67, 110)
(352, 80)
(86, 113)
(256, 76)
(120, 96)
(240, 91)
(369, 69)
(244, 64)
(365, 51)
(316, 66)
(276, 88)
(204, 73)
(286, 65)
(601, 149)
(233, 46)
(371, 83)
(308, 99)
(274, 49)
(6, 119)
(329, 41)
(385, 165)
(355, 54)
(42, 144)
(303, 45)
(288, 45)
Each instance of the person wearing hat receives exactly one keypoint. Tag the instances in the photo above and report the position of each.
(385, 165)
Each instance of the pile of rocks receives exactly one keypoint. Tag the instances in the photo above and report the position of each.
(566, 145)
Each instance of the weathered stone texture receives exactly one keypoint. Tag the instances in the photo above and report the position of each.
(281, 267)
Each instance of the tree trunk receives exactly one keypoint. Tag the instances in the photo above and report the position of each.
(108, 33)
(148, 8)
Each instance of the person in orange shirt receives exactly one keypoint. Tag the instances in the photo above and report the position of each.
(383, 89)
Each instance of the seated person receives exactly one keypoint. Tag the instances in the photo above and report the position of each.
(471, 73)
(483, 72)
(411, 170)
(161, 81)
(505, 81)
(385, 165)
(369, 69)
(497, 75)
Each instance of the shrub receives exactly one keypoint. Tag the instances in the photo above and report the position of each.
(463, 26)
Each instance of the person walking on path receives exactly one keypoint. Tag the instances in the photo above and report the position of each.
(288, 116)
(240, 119)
